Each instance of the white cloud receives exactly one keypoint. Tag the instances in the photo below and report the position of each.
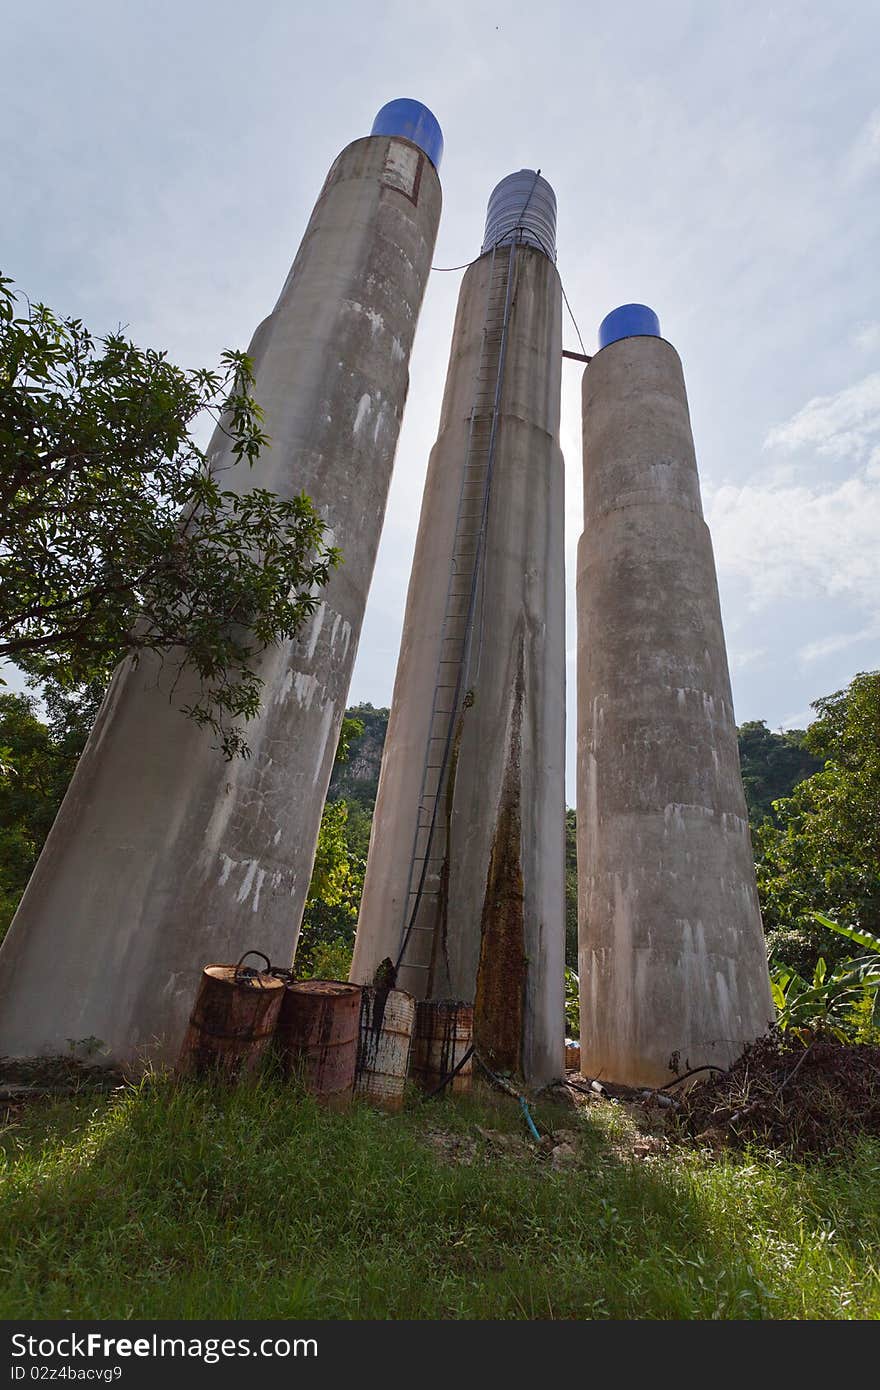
(864, 153)
(829, 646)
(797, 721)
(798, 542)
(842, 426)
(787, 539)
(867, 336)
(749, 656)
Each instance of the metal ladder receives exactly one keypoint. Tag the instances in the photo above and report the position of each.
(430, 838)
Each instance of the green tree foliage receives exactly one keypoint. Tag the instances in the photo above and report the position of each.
(38, 762)
(572, 1003)
(330, 917)
(772, 765)
(117, 535)
(351, 730)
(822, 854)
(843, 1002)
(331, 911)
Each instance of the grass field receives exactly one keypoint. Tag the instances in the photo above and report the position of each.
(184, 1200)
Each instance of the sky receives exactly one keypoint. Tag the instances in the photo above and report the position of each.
(716, 159)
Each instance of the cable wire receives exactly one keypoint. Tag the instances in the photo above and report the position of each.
(572, 317)
(445, 269)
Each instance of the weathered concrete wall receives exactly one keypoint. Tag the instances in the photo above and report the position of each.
(491, 923)
(163, 857)
(672, 965)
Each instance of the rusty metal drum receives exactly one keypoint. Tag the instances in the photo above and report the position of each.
(385, 1039)
(444, 1035)
(233, 1021)
(318, 1036)
(572, 1055)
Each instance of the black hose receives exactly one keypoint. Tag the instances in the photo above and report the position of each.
(684, 1076)
(449, 1076)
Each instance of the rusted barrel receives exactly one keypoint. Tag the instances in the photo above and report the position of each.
(444, 1034)
(318, 1036)
(385, 1038)
(233, 1020)
(572, 1055)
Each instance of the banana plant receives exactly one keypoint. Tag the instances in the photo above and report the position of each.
(826, 1001)
(856, 934)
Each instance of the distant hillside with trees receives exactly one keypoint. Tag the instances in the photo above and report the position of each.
(772, 765)
(356, 778)
(813, 799)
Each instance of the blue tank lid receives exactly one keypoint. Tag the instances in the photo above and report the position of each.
(629, 321)
(414, 122)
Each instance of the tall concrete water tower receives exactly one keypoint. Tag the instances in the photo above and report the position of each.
(464, 882)
(163, 857)
(673, 971)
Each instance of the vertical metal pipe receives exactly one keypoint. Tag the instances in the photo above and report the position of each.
(163, 857)
(673, 971)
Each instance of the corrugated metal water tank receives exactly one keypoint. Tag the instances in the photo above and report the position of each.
(522, 208)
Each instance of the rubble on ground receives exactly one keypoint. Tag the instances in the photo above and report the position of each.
(802, 1097)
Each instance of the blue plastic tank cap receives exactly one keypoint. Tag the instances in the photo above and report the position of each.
(629, 321)
(414, 122)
